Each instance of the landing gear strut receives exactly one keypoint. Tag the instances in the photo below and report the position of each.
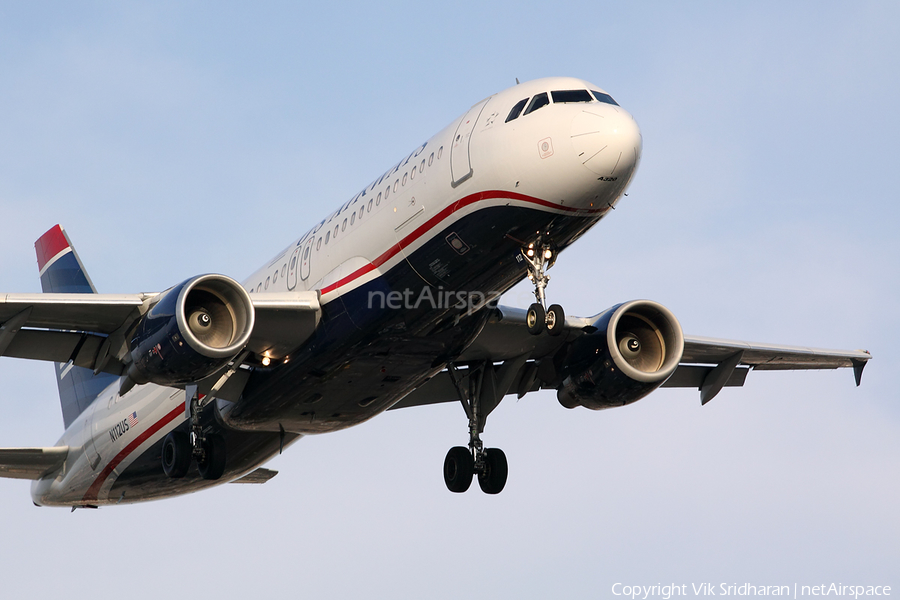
(208, 450)
(540, 256)
(461, 464)
(179, 448)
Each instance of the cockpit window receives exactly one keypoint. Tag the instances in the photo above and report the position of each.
(539, 101)
(606, 98)
(571, 96)
(516, 110)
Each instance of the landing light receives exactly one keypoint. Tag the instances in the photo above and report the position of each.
(266, 361)
(547, 254)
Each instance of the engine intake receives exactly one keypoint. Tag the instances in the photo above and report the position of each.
(636, 347)
(193, 330)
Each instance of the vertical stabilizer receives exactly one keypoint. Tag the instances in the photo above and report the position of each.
(62, 272)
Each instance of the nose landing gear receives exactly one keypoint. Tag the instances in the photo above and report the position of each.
(540, 256)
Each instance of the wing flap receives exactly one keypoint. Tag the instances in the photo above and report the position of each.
(31, 463)
(693, 376)
(81, 349)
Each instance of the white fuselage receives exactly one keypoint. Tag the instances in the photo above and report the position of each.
(565, 158)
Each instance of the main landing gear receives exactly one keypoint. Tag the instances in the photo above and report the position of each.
(462, 464)
(179, 448)
(540, 256)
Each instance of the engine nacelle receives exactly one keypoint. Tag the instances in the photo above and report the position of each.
(192, 331)
(636, 347)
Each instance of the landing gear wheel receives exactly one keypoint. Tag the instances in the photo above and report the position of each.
(556, 319)
(493, 477)
(213, 464)
(535, 319)
(176, 454)
(459, 466)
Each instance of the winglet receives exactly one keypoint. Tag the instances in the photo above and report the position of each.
(858, 366)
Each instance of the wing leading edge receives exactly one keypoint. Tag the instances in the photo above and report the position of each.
(707, 364)
(89, 329)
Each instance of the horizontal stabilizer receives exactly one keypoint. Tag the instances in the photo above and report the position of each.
(31, 463)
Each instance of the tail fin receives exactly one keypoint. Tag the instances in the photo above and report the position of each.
(62, 271)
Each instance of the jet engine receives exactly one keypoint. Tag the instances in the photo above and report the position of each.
(637, 345)
(191, 332)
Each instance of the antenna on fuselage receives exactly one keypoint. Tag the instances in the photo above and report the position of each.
(517, 81)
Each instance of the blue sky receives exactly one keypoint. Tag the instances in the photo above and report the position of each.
(172, 139)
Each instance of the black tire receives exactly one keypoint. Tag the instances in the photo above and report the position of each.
(213, 464)
(176, 454)
(536, 319)
(493, 480)
(459, 466)
(556, 319)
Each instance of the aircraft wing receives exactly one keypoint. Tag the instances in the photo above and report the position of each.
(31, 463)
(89, 329)
(707, 364)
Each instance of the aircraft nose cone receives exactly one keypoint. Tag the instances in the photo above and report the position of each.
(607, 140)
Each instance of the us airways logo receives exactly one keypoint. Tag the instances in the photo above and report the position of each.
(123, 426)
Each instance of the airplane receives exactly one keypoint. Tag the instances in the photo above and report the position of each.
(390, 301)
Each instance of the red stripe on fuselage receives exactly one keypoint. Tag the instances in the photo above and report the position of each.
(94, 490)
(444, 214)
(49, 245)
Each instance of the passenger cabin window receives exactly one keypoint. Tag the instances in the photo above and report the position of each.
(539, 101)
(516, 110)
(566, 96)
(605, 98)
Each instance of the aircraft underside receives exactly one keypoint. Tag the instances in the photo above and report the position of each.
(363, 360)
(389, 302)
